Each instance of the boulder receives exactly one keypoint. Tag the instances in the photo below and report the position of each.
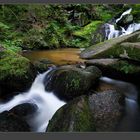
(125, 20)
(16, 74)
(107, 109)
(113, 48)
(97, 112)
(24, 110)
(43, 65)
(77, 117)
(12, 123)
(116, 68)
(68, 82)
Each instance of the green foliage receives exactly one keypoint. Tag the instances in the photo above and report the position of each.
(54, 25)
(88, 29)
(136, 12)
(3, 26)
(85, 34)
(126, 67)
(34, 39)
(12, 45)
(12, 64)
(104, 13)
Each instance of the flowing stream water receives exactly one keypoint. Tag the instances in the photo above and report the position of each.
(48, 103)
(111, 32)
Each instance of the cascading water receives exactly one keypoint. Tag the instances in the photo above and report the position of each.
(123, 14)
(111, 32)
(132, 110)
(46, 102)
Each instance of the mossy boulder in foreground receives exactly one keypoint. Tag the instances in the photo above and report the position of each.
(68, 82)
(75, 116)
(16, 73)
(97, 112)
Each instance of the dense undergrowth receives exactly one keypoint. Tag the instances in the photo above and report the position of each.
(53, 26)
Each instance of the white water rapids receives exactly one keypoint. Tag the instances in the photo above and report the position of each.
(47, 103)
(111, 32)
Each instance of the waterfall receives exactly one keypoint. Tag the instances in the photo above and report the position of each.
(46, 102)
(123, 14)
(111, 32)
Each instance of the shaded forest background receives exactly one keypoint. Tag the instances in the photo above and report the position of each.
(54, 25)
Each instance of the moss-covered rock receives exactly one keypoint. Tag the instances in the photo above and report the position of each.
(24, 110)
(43, 65)
(96, 112)
(86, 33)
(77, 117)
(113, 48)
(69, 82)
(117, 68)
(16, 73)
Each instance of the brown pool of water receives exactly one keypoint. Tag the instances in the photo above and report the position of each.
(58, 56)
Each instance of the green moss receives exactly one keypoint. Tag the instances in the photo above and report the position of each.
(84, 35)
(78, 117)
(112, 48)
(75, 83)
(12, 64)
(118, 51)
(126, 67)
(88, 29)
(83, 118)
(105, 14)
(136, 12)
(14, 45)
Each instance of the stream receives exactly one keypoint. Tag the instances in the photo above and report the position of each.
(48, 103)
(57, 56)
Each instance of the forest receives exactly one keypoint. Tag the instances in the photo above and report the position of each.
(69, 67)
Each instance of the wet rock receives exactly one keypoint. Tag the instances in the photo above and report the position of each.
(24, 109)
(68, 82)
(117, 68)
(125, 20)
(106, 109)
(43, 65)
(103, 62)
(113, 48)
(97, 112)
(100, 34)
(12, 123)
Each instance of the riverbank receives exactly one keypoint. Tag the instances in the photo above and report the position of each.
(95, 83)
